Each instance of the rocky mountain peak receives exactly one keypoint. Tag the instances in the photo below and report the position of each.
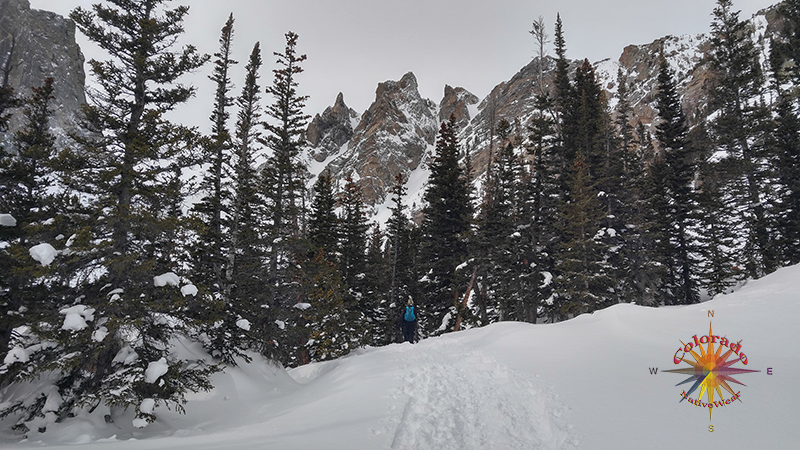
(392, 136)
(328, 131)
(36, 45)
(456, 101)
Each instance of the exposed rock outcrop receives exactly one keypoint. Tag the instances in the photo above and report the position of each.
(328, 131)
(36, 45)
(392, 137)
(456, 102)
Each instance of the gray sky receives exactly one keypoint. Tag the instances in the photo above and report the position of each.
(352, 45)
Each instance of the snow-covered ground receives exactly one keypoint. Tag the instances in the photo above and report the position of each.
(584, 384)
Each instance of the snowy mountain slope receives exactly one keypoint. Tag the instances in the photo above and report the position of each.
(585, 383)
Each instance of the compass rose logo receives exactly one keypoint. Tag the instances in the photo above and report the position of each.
(712, 370)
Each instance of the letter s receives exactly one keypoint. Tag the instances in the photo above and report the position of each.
(711, 428)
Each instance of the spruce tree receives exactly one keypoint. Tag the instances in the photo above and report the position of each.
(245, 268)
(673, 198)
(497, 237)
(28, 288)
(212, 251)
(541, 196)
(123, 319)
(323, 225)
(283, 186)
(447, 219)
(739, 131)
(785, 68)
(583, 280)
(210, 255)
(353, 239)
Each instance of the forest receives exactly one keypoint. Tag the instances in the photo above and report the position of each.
(110, 254)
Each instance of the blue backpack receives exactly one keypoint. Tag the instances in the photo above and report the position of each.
(410, 314)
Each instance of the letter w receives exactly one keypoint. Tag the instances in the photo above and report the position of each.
(653, 370)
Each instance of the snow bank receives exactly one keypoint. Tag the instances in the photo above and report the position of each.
(43, 253)
(189, 289)
(585, 383)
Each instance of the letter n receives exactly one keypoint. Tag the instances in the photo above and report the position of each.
(710, 313)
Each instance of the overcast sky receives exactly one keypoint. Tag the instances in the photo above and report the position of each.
(352, 45)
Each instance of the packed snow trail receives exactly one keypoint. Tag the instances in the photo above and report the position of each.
(586, 383)
(460, 398)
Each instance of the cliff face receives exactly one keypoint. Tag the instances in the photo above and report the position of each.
(396, 134)
(36, 45)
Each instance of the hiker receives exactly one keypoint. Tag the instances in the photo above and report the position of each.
(408, 321)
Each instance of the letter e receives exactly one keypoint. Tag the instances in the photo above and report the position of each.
(769, 370)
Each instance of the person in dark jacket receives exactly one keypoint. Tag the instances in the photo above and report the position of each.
(408, 321)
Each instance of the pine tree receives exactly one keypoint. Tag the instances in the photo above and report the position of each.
(672, 198)
(120, 320)
(739, 130)
(448, 215)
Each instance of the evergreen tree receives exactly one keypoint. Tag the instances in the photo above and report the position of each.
(498, 238)
(212, 251)
(283, 186)
(25, 179)
(398, 239)
(739, 130)
(447, 219)
(118, 320)
(541, 196)
(583, 279)
(637, 274)
(672, 198)
(323, 225)
(210, 256)
(245, 271)
(353, 240)
(785, 67)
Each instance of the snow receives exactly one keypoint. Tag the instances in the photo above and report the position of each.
(548, 278)
(100, 334)
(126, 356)
(7, 220)
(281, 324)
(302, 306)
(580, 384)
(168, 278)
(43, 253)
(155, 370)
(75, 318)
(189, 289)
(147, 406)
(243, 324)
